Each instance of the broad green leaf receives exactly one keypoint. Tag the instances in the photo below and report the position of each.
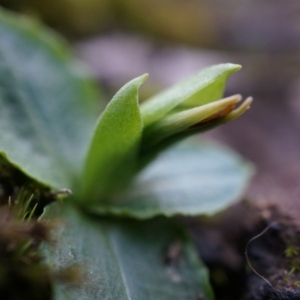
(48, 104)
(204, 87)
(124, 259)
(193, 178)
(112, 154)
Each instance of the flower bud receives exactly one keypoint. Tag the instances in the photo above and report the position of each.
(174, 123)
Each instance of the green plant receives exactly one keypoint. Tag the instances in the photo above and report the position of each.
(116, 226)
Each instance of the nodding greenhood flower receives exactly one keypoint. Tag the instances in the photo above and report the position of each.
(182, 121)
(191, 106)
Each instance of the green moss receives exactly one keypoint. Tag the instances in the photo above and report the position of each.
(292, 254)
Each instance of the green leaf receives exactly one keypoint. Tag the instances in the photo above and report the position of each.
(192, 178)
(124, 259)
(204, 87)
(48, 104)
(112, 154)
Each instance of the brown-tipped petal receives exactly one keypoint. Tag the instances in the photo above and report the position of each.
(230, 104)
(203, 113)
(225, 114)
(226, 110)
(223, 118)
(180, 121)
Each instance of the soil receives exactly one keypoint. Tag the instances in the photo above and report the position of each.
(274, 255)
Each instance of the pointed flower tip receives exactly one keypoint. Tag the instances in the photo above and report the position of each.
(245, 105)
(239, 110)
(249, 101)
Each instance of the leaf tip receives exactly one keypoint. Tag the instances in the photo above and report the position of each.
(141, 79)
(233, 67)
(144, 77)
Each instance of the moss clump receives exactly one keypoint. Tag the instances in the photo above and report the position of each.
(22, 273)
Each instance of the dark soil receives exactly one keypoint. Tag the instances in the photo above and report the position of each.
(274, 255)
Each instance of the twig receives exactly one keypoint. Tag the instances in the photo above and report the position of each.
(248, 260)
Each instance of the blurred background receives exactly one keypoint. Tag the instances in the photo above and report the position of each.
(172, 39)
